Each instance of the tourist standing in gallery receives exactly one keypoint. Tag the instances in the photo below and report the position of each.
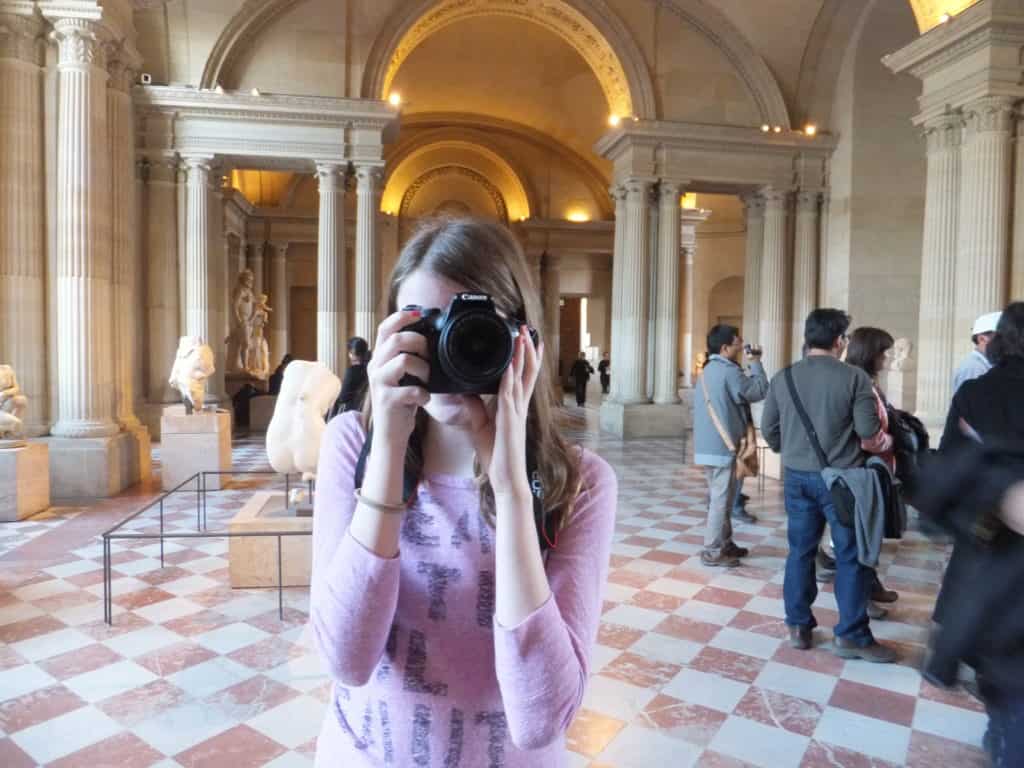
(353, 387)
(976, 363)
(460, 549)
(721, 414)
(604, 370)
(581, 372)
(839, 404)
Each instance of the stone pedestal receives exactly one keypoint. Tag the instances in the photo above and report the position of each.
(95, 467)
(261, 409)
(199, 442)
(24, 481)
(253, 561)
(645, 420)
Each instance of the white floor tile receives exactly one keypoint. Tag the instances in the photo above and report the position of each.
(111, 680)
(649, 567)
(664, 648)
(175, 730)
(18, 612)
(51, 740)
(166, 610)
(601, 657)
(132, 644)
(51, 644)
(675, 587)
(639, 747)
(767, 606)
(303, 673)
(189, 585)
(949, 722)
(614, 698)
(231, 637)
(634, 616)
(135, 567)
(794, 681)
(749, 643)
(618, 593)
(886, 741)
(43, 589)
(293, 723)
(74, 568)
(891, 677)
(628, 550)
(210, 676)
(205, 564)
(246, 607)
(706, 689)
(709, 612)
(759, 744)
(290, 760)
(738, 584)
(17, 681)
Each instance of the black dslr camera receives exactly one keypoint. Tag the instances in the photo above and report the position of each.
(469, 345)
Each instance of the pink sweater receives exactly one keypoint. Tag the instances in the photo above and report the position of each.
(423, 674)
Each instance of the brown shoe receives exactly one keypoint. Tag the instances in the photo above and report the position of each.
(876, 653)
(724, 560)
(801, 638)
(736, 551)
(875, 611)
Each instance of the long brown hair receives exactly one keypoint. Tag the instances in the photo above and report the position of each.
(484, 257)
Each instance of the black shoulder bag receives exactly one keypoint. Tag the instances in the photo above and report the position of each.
(842, 496)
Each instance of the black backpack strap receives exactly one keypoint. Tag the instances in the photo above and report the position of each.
(409, 482)
(808, 426)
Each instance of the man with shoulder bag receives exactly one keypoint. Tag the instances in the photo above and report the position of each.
(817, 414)
(724, 436)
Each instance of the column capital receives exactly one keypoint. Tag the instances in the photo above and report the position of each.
(80, 43)
(753, 204)
(638, 190)
(944, 132)
(200, 164)
(775, 199)
(330, 177)
(617, 192)
(670, 191)
(990, 114)
(123, 65)
(369, 177)
(280, 248)
(160, 167)
(807, 200)
(19, 38)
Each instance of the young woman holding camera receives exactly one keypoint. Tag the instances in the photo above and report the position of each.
(459, 551)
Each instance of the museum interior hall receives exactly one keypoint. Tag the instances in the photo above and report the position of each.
(203, 201)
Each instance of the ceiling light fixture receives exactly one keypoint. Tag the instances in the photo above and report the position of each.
(255, 92)
(944, 18)
(810, 129)
(578, 216)
(765, 128)
(777, 129)
(395, 99)
(614, 120)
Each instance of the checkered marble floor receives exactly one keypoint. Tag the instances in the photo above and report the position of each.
(691, 668)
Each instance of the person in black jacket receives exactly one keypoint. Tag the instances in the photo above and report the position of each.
(604, 370)
(581, 373)
(274, 385)
(978, 621)
(353, 388)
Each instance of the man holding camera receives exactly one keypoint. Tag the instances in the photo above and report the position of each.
(721, 413)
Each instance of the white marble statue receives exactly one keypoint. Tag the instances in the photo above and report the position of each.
(258, 358)
(293, 436)
(193, 365)
(13, 405)
(243, 303)
(899, 357)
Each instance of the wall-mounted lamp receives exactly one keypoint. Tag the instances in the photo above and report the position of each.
(810, 129)
(765, 128)
(614, 120)
(255, 92)
(777, 129)
(395, 99)
(944, 18)
(577, 215)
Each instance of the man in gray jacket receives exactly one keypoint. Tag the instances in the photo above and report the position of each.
(723, 395)
(840, 404)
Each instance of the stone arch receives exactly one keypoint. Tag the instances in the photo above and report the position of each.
(725, 300)
(589, 26)
(455, 170)
(245, 26)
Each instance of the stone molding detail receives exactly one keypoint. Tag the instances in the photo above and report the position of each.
(454, 170)
(20, 38)
(753, 205)
(944, 132)
(991, 114)
(808, 201)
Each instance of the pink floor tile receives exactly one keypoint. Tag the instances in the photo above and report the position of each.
(725, 597)
(820, 755)
(251, 697)
(761, 624)
(139, 704)
(238, 747)
(782, 711)
(955, 698)
(29, 628)
(11, 756)
(874, 702)
(928, 751)
(688, 629)
(591, 732)
(736, 666)
(37, 707)
(80, 661)
(690, 722)
(617, 636)
(814, 660)
(173, 658)
(640, 671)
(198, 623)
(656, 601)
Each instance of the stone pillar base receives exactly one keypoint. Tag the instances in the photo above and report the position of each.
(253, 561)
(24, 481)
(199, 442)
(261, 410)
(645, 420)
(94, 467)
(150, 415)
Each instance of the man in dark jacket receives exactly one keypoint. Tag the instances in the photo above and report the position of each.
(984, 569)
(581, 373)
(840, 404)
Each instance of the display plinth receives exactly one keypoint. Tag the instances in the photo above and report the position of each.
(253, 560)
(634, 420)
(192, 443)
(261, 409)
(24, 481)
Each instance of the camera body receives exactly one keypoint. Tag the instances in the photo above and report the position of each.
(469, 345)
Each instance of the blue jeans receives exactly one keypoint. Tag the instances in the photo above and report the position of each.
(808, 507)
(737, 503)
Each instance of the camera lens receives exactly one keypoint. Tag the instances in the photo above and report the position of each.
(476, 349)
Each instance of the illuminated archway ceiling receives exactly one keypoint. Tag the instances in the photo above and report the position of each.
(264, 189)
(556, 16)
(929, 12)
(469, 164)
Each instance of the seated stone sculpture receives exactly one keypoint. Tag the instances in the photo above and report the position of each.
(13, 405)
(295, 430)
(193, 365)
(899, 357)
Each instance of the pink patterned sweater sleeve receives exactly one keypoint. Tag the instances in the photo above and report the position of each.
(353, 592)
(542, 664)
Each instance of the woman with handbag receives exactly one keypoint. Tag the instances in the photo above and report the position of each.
(867, 350)
(724, 437)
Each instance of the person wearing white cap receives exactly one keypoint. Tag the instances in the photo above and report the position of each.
(977, 364)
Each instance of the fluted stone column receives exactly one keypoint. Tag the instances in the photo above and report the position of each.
(666, 331)
(618, 194)
(983, 242)
(231, 256)
(217, 291)
(632, 358)
(772, 309)
(550, 266)
(1017, 254)
(278, 302)
(805, 267)
(22, 252)
(330, 271)
(85, 367)
(691, 217)
(197, 256)
(242, 256)
(368, 191)
(753, 205)
(162, 276)
(121, 130)
(937, 322)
